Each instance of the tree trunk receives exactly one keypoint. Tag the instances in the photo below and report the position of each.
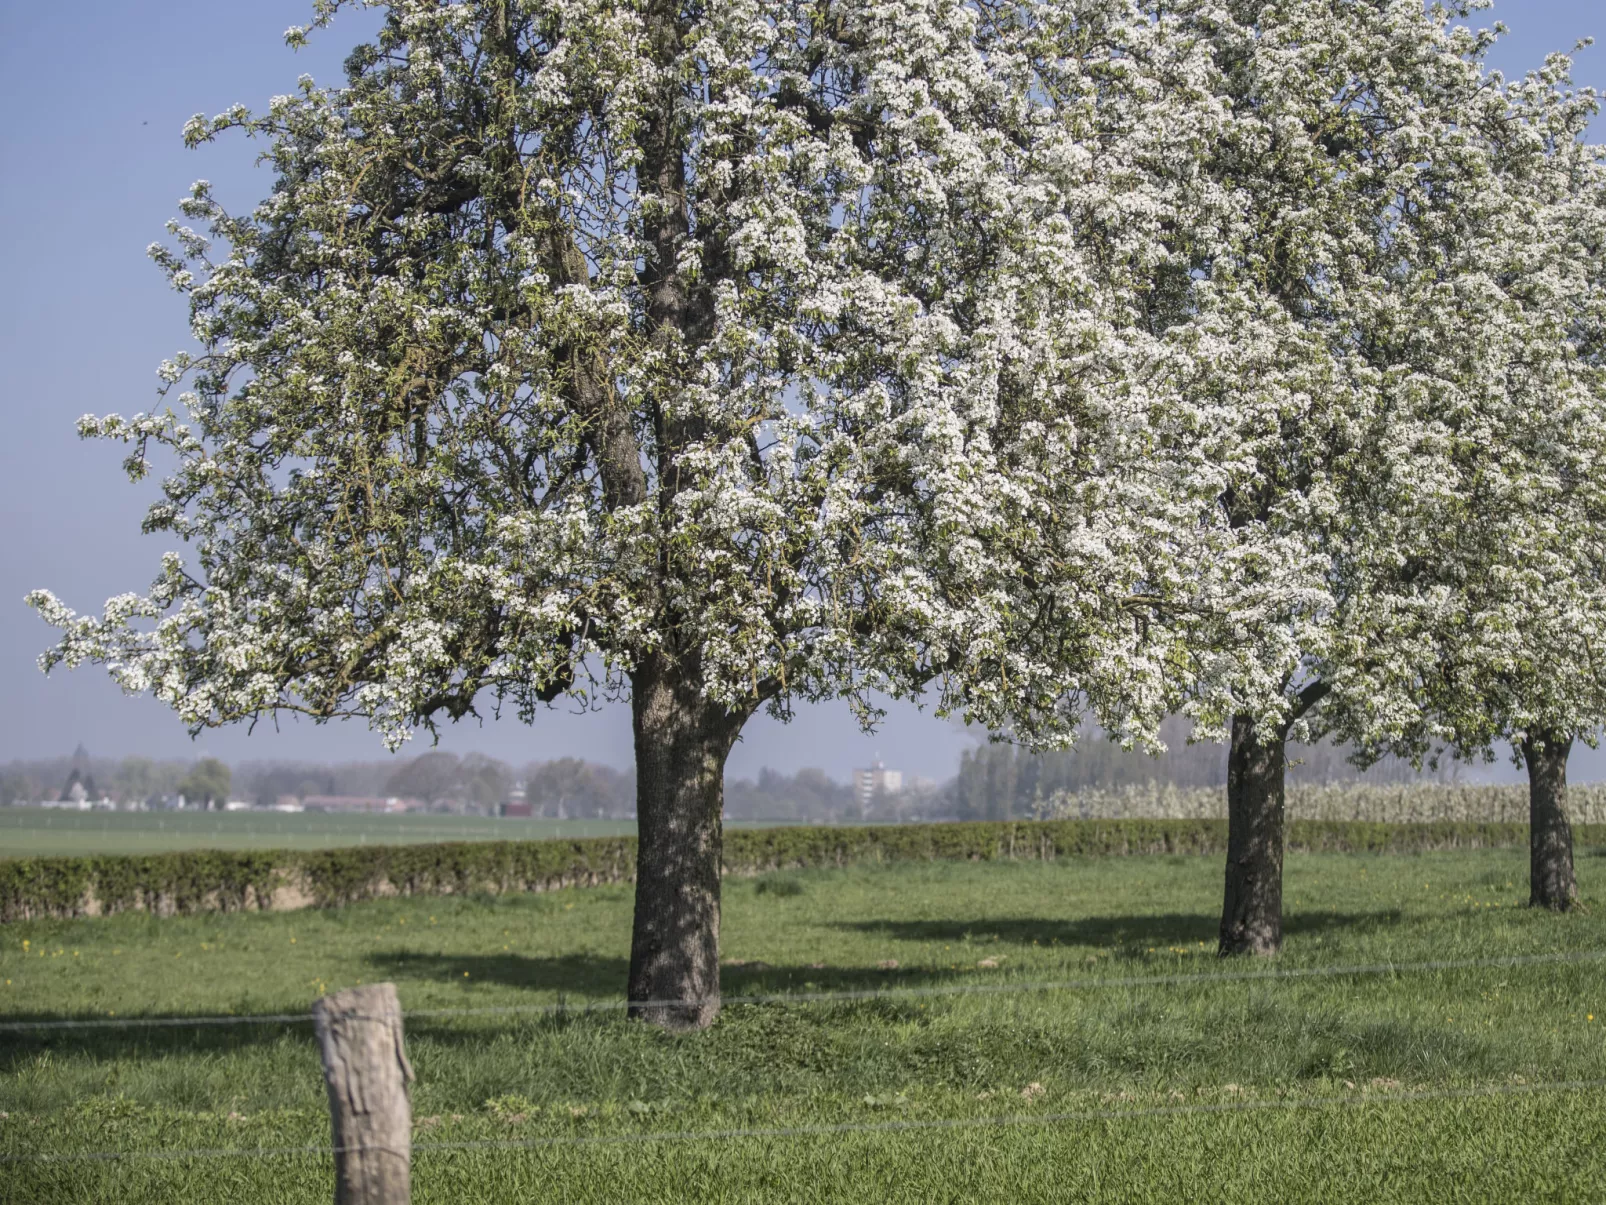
(1550, 838)
(682, 742)
(1252, 908)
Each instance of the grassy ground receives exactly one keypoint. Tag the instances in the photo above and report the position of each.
(35, 832)
(1200, 1088)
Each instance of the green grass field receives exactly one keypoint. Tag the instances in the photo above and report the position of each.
(1183, 1085)
(37, 832)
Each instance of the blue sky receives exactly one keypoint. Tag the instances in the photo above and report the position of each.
(96, 93)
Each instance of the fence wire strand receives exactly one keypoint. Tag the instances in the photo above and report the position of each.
(1000, 1121)
(893, 994)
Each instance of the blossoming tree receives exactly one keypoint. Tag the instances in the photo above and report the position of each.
(1360, 141)
(1417, 533)
(1508, 582)
(1287, 391)
(680, 352)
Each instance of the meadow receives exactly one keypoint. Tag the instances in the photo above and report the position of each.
(1037, 1032)
(42, 832)
(45, 832)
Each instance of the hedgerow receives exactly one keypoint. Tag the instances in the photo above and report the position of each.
(218, 880)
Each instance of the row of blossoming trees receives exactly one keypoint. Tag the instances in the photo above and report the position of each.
(1048, 359)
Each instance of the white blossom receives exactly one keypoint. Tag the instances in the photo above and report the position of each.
(894, 343)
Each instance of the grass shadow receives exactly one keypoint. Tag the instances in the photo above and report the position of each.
(588, 977)
(1105, 932)
(590, 988)
(24, 1048)
(582, 974)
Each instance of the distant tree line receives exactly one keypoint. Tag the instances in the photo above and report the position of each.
(128, 780)
(807, 795)
(995, 781)
(1003, 782)
(266, 782)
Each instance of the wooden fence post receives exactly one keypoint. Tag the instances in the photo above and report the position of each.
(366, 1070)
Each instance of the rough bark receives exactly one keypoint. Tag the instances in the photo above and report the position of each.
(366, 1071)
(1252, 907)
(1551, 883)
(682, 742)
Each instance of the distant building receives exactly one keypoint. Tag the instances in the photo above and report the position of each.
(355, 803)
(877, 780)
(79, 789)
(80, 786)
(517, 805)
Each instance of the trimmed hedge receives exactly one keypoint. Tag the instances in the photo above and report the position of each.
(216, 880)
(341, 876)
(196, 881)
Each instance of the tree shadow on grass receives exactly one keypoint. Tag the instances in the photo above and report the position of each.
(1161, 929)
(583, 975)
(592, 988)
(567, 989)
(23, 1049)
(579, 979)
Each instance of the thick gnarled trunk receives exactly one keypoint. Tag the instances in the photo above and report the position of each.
(1550, 837)
(1252, 908)
(682, 742)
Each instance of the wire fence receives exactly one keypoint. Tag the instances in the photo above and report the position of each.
(1366, 1097)
(912, 1125)
(852, 995)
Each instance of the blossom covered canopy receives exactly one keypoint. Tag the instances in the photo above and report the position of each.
(774, 336)
(1509, 579)
(1367, 309)
(1306, 337)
